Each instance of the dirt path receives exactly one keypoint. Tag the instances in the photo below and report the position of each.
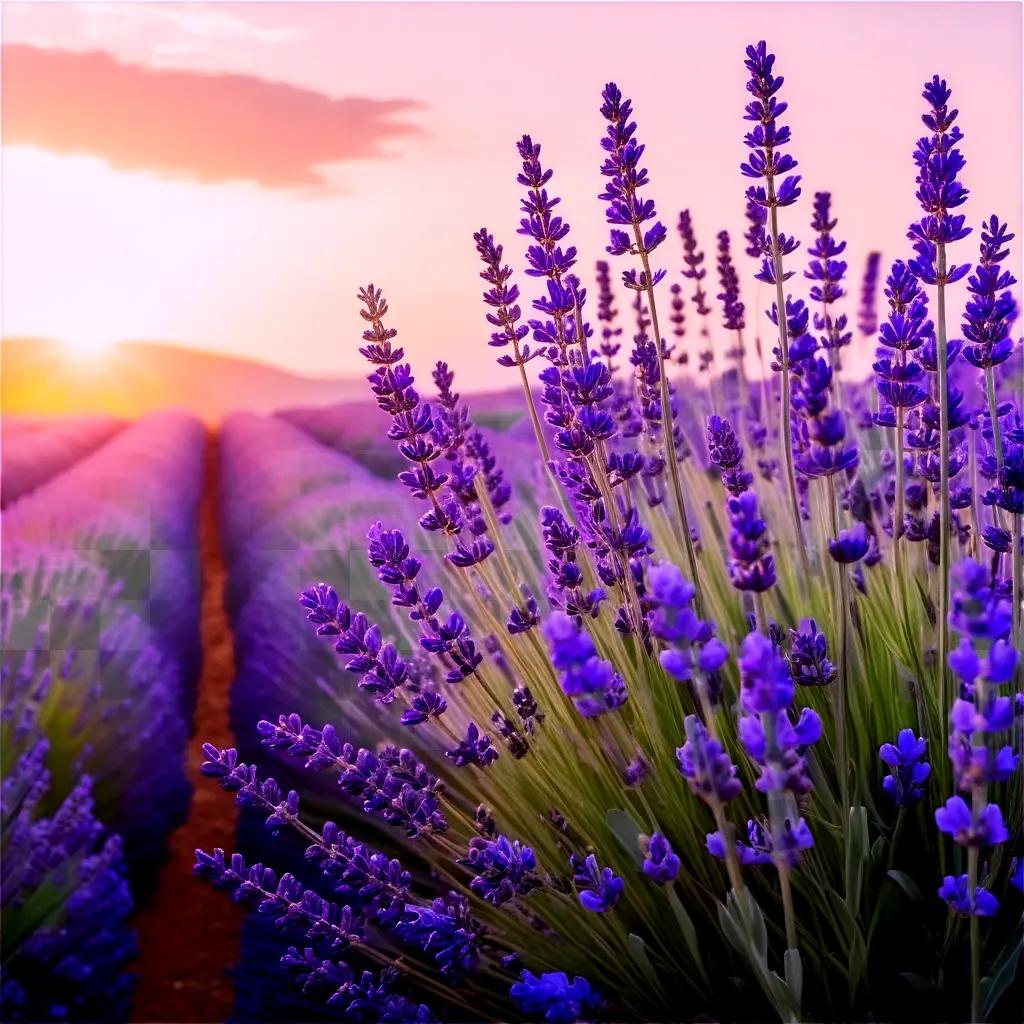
(189, 934)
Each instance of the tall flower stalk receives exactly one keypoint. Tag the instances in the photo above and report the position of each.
(939, 192)
(627, 208)
(780, 189)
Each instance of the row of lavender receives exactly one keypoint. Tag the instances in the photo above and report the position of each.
(101, 596)
(742, 765)
(292, 509)
(34, 450)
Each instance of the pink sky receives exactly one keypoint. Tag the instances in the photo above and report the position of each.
(227, 176)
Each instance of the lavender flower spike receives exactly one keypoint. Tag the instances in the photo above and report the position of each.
(625, 208)
(781, 188)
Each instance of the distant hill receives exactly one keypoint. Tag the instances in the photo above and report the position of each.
(41, 377)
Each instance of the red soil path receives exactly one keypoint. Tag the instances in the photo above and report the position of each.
(189, 934)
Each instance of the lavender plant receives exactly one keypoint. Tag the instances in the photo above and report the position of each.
(664, 737)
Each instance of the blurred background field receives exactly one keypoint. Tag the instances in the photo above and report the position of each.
(151, 563)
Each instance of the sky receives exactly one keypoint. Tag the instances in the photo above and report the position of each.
(227, 176)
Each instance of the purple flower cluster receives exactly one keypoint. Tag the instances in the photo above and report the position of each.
(751, 565)
(626, 177)
(726, 453)
(991, 309)
(771, 739)
(939, 190)
(867, 317)
(706, 766)
(728, 279)
(412, 421)
(827, 273)
(71, 964)
(599, 889)
(505, 869)
(555, 998)
(592, 683)
(767, 162)
(905, 785)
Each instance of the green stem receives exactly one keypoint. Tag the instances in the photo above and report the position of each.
(897, 515)
(668, 431)
(945, 514)
(997, 431)
(785, 402)
(787, 904)
(972, 886)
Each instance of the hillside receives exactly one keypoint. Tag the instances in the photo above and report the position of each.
(41, 377)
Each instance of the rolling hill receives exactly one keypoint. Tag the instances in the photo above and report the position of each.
(42, 377)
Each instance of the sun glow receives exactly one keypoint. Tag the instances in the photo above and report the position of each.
(88, 345)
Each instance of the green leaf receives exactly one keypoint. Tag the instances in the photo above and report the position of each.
(627, 832)
(743, 926)
(856, 856)
(877, 849)
(907, 884)
(638, 953)
(686, 927)
(794, 973)
(1004, 970)
(920, 983)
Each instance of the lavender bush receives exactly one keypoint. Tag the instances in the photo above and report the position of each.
(724, 719)
(99, 616)
(36, 450)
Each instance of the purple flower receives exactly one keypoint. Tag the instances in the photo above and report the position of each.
(412, 424)
(391, 783)
(956, 892)
(867, 319)
(607, 313)
(732, 307)
(726, 452)
(625, 178)
(905, 786)
(905, 331)
(991, 309)
(705, 765)
(694, 270)
(762, 849)
(546, 258)
(554, 997)
(851, 545)
(562, 540)
(423, 707)
(808, 655)
(660, 865)
(751, 567)
(503, 297)
(1017, 873)
(592, 683)
(505, 869)
(598, 889)
(977, 611)
(985, 828)
(820, 434)
(783, 766)
(765, 141)
(635, 773)
(827, 273)
(381, 669)
(447, 931)
(755, 235)
(475, 749)
(939, 190)
(767, 684)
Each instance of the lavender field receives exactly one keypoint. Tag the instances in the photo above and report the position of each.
(676, 677)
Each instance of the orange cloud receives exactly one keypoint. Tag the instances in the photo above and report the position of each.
(198, 125)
